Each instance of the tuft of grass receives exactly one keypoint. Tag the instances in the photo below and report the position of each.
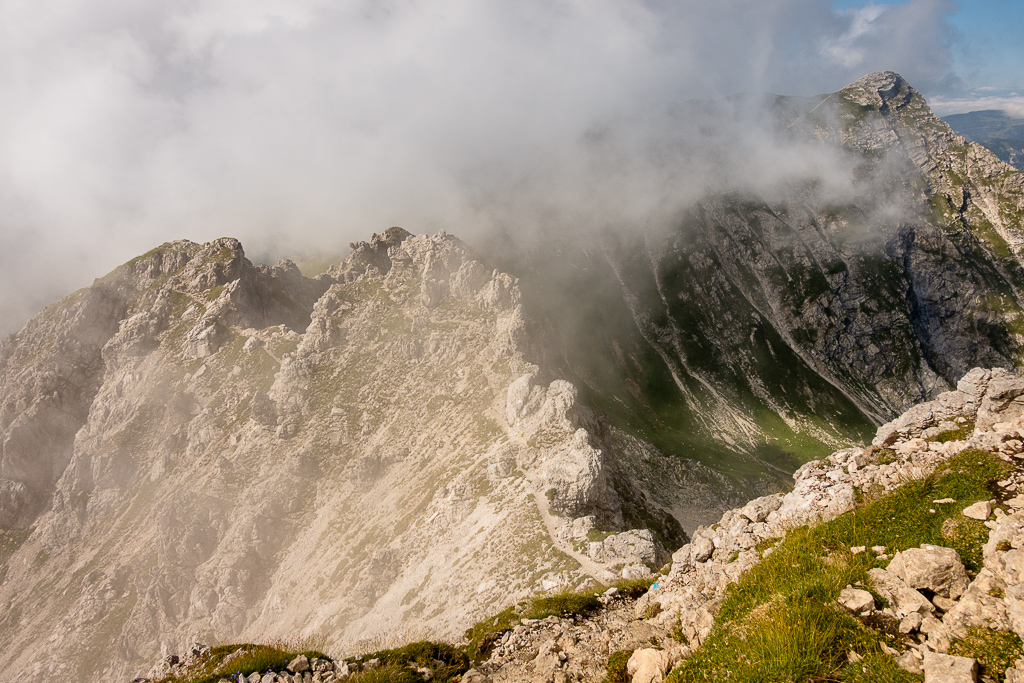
(616, 672)
(230, 661)
(780, 620)
(652, 610)
(677, 633)
(887, 457)
(876, 667)
(996, 651)
(446, 663)
(789, 640)
(634, 588)
(483, 635)
(566, 604)
(961, 433)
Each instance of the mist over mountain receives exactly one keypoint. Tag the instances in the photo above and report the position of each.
(300, 126)
(201, 446)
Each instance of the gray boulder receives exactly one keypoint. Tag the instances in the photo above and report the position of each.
(299, 664)
(904, 599)
(940, 668)
(931, 568)
(855, 600)
(981, 510)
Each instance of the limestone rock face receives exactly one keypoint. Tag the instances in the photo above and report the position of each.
(197, 446)
(648, 665)
(905, 599)
(200, 446)
(855, 600)
(676, 615)
(942, 668)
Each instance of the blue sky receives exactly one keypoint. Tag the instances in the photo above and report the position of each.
(990, 49)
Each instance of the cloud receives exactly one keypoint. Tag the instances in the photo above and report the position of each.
(1011, 104)
(295, 124)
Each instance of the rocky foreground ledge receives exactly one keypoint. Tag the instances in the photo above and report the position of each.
(925, 594)
(985, 412)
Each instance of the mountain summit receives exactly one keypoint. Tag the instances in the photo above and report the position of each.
(197, 446)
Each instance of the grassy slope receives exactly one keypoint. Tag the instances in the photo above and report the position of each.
(781, 622)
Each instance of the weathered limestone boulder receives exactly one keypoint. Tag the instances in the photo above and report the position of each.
(855, 600)
(1003, 401)
(633, 546)
(299, 664)
(981, 510)
(904, 599)
(648, 665)
(931, 568)
(942, 668)
(703, 547)
(758, 509)
(981, 605)
(574, 479)
(803, 506)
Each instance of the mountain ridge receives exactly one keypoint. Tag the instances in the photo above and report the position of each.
(995, 130)
(682, 623)
(200, 445)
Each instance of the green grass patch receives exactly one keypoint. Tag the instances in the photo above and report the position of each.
(996, 651)
(616, 672)
(794, 639)
(227, 661)
(446, 662)
(567, 604)
(780, 620)
(635, 588)
(961, 433)
(483, 635)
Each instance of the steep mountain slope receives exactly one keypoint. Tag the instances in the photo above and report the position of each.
(1002, 134)
(760, 331)
(196, 445)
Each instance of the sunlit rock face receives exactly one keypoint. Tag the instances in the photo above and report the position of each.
(197, 446)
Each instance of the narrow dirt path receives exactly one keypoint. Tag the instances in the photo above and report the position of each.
(596, 571)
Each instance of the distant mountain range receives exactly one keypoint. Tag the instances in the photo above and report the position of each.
(1002, 134)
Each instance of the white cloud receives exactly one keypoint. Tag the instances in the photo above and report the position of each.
(292, 123)
(1011, 105)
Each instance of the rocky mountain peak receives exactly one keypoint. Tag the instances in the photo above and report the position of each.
(881, 90)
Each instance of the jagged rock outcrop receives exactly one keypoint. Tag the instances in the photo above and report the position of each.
(930, 595)
(199, 445)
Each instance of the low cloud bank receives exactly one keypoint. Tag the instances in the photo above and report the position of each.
(303, 125)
